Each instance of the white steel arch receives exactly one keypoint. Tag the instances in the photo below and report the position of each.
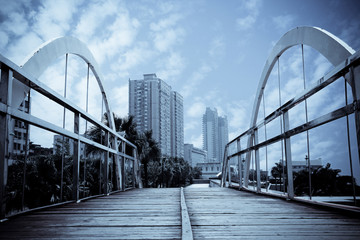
(46, 54)
(331, 47)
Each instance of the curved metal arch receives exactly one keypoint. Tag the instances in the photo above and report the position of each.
(47, 53)
(331, 47)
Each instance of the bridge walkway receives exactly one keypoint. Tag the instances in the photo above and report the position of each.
(215, 213)
(135, 214)
(224, 213)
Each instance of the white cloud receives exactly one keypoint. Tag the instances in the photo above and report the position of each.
(347, 33)
(122, 31)
(284, 22)
(54, 19)
(195, 80)
(93, 20)
(120, 100)
(246, 22)
(196, 110)
(16, 24)
(131, 58)
(4, 39)
(238, 115)
(322, 66)
(217, 47)
(171, 67)
(166, 32)
(22, 47)
(197, 141)
(166, 39)
(251, 9)
(167, 7)
(166, 23)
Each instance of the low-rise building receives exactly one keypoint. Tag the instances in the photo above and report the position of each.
(194, 155)
(303, 165)
(209, 169)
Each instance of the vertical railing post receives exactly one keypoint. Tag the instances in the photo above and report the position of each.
(117, 163)
(238, 145)
(5, 128)
(106, 170)
(224, 168)
(76, 158)
(136, 169)
(354, 79)
(257, 162)
(248, 159)
(229, 170)
(290, 181)
(133, 178)
(123, 167)
(27, 150)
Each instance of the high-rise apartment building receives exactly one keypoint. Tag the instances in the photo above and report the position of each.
(215, 134)
(156, 107)
(177, 124)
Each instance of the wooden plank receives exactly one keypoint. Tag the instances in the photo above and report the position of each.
(135, 214)
(223, 213)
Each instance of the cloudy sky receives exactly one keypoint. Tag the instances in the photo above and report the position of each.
(212, 52)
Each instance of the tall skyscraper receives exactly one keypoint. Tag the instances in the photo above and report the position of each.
(215, 134)
(156, 107)
(177, 125)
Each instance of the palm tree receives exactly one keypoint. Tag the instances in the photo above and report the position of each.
(147, 147)
(276, 172)
(148, 150)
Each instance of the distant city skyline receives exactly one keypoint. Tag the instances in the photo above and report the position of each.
(215, 134)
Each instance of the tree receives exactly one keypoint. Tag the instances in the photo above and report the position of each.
(278, 171)
(325, 181)
(197, 172)
(149, 151)
(176, 172)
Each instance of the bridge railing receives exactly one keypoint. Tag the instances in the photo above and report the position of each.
(75, 168)
(241, 162)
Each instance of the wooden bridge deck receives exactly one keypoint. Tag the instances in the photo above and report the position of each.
(135, 214)
(215, 213)
(223, 213)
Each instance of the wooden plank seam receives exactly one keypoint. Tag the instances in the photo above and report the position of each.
(186, 231)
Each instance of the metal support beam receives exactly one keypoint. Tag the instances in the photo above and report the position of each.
(290, 181)
(5, 141)
(239, 163)
(122, 168)
(76, 158)
(354, 78)
(339, 113)
(118, 167)
(248, 159)
(257, 162)
(224, 167)
(134, 179)
(106, 169)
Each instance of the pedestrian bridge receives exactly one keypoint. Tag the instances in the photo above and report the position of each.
(215, 213)
(86, 187)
